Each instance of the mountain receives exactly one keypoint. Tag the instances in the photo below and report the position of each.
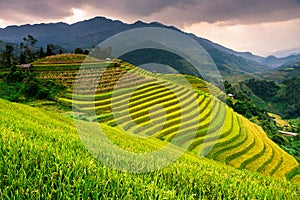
(245, 55)
(229, 60)
(69, 36)
(2, 46)
(287, 52)
(278, 59)
(89, 33)
(274, 62)
(286, 71)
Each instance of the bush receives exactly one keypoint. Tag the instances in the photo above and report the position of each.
(19, 86)
(10, 91)
(30, 89)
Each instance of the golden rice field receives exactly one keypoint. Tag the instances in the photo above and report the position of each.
(226, 156)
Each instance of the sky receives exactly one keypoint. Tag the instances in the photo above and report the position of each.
(259, 26)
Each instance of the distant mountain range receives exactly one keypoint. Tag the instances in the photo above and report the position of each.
(286, 71)
(287, 52)
(89, 33)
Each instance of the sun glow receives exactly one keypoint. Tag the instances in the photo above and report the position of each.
(77, 15)
(2, 23)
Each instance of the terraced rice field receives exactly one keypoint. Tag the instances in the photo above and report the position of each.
(168, 108)
(66, 73)
(42, 157)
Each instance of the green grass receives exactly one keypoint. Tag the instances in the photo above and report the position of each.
(41, 157)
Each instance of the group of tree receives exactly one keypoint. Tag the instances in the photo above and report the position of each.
(263, 88)
(285, 97)
(7, 58)
(289, 98)
(81, 51)
(26, 52)
(18, 85)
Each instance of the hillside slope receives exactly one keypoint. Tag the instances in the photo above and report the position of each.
(217, 132)
(42, 157)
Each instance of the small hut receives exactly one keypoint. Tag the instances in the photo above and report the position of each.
(26, 67)
(230, 95)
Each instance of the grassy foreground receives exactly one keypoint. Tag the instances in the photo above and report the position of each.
(42, 157)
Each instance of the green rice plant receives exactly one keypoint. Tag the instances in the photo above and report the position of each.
(215, 132)
(142, 109)
(220, 153)
(288, 164)
(230, 132)
(283, 168)
(184, 120)
(169, 113)
(296, 179)
(148, 97)
(202, 127)
(258, 162)
(142, 90)
(240, 143)
(275, 168)
(42, 157)
(257, 151)
(265, 159)
(242, 149)
(237, 137)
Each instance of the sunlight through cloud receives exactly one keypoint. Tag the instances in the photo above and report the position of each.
(77, 15)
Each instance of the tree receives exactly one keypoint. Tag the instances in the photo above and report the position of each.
(262, 88)
(22, 58)
(41, 53)
(78, 51)
(228, 88)
(7, 56)
(27, 48)
(50, 50)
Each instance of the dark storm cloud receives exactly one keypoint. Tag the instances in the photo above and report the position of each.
(235, 11)
(177, 12)
(18, 10)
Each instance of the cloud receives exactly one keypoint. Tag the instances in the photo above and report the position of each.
(230, 12)
(263, 39)
(176, 12)
(215, 19)
(179, 13)
(32, 11)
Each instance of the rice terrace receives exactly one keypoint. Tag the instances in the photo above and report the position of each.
(103, 109)
(43, 157)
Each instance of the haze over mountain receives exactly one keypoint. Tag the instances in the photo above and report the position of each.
(89, 33)
(287, 52)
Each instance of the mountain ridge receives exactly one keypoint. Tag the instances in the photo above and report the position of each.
(89, 33)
